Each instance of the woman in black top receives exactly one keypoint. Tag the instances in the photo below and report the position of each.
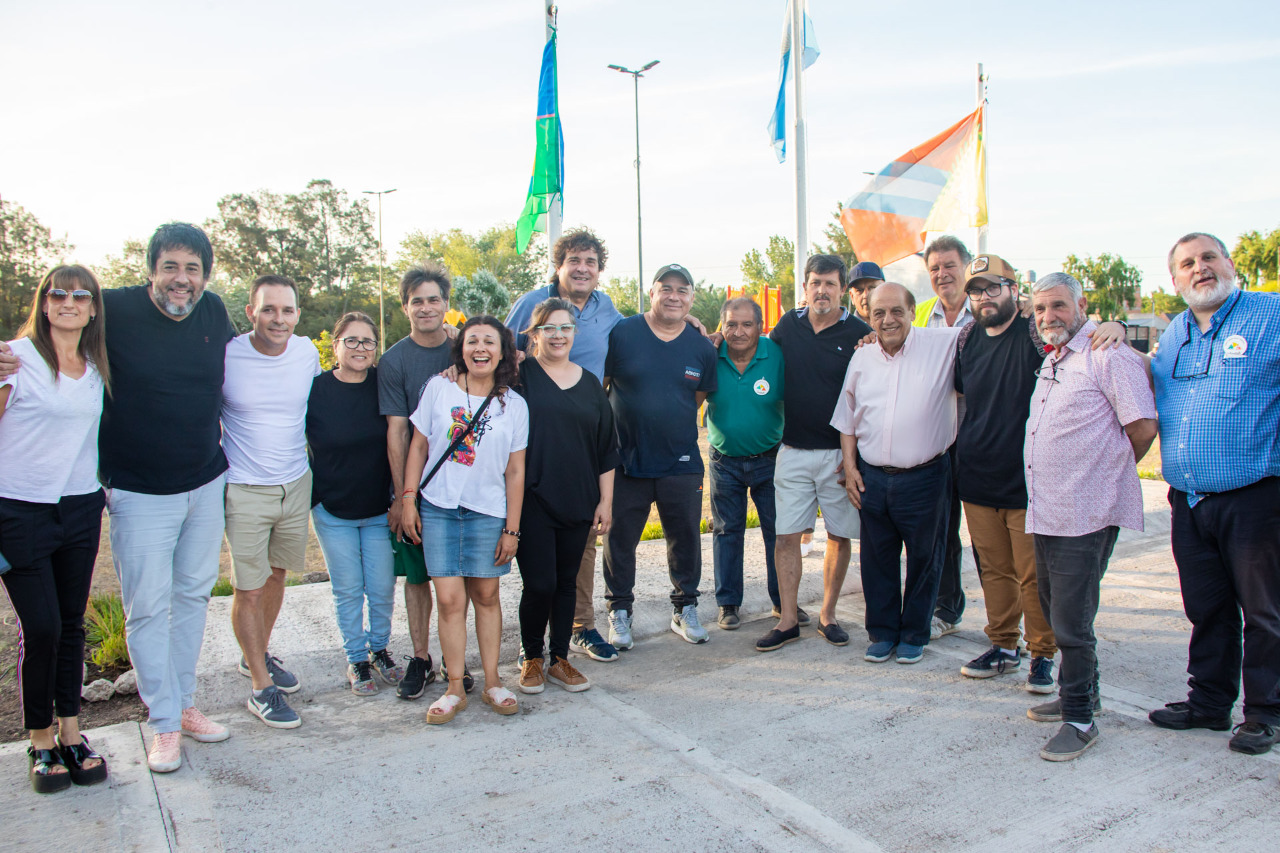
(350, 494)
(568, 491)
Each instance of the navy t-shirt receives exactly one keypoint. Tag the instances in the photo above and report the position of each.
(653, 390)
(814, 374)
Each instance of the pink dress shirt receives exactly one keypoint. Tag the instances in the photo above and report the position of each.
(1081, 474)
(901, 408)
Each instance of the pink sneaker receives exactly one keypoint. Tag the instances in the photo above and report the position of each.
(165, 755)
(199, 727)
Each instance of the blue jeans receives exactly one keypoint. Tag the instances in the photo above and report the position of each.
(358, 554)
(909, 509)
(731, 478)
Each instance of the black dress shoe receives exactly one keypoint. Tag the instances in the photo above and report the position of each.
(45, 776)
(76, 755)
(1178, 715)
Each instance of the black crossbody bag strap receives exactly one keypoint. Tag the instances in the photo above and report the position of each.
(457, 441)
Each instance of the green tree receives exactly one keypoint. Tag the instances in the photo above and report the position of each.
(707, 301)
(774, 267)
(1160, 302)
(624, 295)
(1111, 285)
(482, 293)
(1255, 257)
(27, 251)
(126, 269)
(494, 250)
(837, 240)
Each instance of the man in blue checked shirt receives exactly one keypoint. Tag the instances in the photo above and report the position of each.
(1217, 385)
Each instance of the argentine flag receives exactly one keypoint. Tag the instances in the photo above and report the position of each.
(778, 122)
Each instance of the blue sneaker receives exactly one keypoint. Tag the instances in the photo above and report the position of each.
(591, 644)
(272, 709)
(1040, 679)
(879, 652)
(908, 653)
(280, 677)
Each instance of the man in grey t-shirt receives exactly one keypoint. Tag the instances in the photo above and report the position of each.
(403, 371)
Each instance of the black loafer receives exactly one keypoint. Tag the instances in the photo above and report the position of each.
(45, 778)
(833, 633)
(776, 639)
(1179, 716)
(76, 755)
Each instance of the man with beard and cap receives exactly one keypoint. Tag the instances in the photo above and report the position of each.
(1092, 416)
(1217, 383)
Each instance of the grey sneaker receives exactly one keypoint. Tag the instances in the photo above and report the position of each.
(272, 709)
(1051, 712)
(686, 624)
(620, 629)
(939, 629)
(1069, 742)
(280, 677)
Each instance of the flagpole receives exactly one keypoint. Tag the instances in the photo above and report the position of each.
(802, 195)
(982, 98)
(555, 215)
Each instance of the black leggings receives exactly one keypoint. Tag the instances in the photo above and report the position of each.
(548, 557)
(52, 548)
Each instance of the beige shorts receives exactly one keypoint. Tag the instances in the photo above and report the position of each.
(266, 528)
(803, 481)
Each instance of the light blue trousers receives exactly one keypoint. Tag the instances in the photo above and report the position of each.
(361, 569)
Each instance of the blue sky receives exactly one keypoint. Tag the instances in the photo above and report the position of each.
(1113, 127)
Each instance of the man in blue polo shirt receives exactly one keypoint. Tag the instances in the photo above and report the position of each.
(1217, 384)
(744, 427)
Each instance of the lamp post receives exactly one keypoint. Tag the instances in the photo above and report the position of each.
(635, 76)
(382, 314)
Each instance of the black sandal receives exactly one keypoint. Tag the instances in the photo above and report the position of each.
(44, 778)
(76, 755)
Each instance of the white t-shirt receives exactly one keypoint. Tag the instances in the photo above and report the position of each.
(264, 411)
(474, 476)
(49, 432)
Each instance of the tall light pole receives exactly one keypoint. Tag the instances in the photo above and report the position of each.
(382, 314)
(635, 76)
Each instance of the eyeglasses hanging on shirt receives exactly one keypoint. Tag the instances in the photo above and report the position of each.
(1213, 339)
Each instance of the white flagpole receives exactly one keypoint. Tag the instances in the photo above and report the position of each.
(982, 97)
(555, 215)
(802, 195)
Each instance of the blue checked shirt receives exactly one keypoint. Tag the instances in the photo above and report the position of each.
(1220, 430)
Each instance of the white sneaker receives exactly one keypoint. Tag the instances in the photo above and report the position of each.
(686, 624)
(620, 629)
(805, 548)
(939, 629)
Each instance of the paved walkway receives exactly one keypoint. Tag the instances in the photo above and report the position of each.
(711, 747)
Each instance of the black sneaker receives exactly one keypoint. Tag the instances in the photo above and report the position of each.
(994, 661)
(1254, 738)
(1179, 716)
(1040, 679)
(416, 678)
(468, 683)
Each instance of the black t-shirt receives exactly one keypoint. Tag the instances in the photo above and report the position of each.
(347, 439)
(404, 370)
(997, 376)
(160, 432)
(571, 443)
(815, 368)
(654, 386)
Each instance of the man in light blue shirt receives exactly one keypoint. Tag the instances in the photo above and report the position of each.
(1217, 385)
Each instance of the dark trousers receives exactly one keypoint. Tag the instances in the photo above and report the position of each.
(1069, 573)
(548, 557)
(52, 548)
(1227, 548)
(732, 478)
(905, 509)
(950, 604)
(679, 500)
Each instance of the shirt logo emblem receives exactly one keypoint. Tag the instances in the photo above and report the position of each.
(761, 387)
(692, 373)
(1234, 347)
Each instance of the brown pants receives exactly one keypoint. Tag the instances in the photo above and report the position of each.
(584, 610)
(1008, 558)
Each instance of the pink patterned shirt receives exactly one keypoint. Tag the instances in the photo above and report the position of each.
(1081, 474)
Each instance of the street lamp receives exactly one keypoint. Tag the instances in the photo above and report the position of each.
(635, 76)
(382, 314)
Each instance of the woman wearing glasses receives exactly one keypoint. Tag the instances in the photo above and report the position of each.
(350, 493)
(51, 514)
(568, 491)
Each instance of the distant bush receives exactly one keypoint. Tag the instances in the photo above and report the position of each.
(222, 586)
(104, 630)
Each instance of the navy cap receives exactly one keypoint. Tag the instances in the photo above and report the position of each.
(678, 270)
(865, 269)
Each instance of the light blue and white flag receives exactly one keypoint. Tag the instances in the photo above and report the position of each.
(778, 122)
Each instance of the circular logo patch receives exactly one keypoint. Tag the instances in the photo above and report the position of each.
(761, 387)
(1234, 347)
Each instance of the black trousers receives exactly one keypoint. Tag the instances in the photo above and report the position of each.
(52, 548)
(679, 500)
(1227, 548)
(548, 558)
(950, 603)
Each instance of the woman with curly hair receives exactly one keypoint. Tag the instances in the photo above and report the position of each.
(469, 435)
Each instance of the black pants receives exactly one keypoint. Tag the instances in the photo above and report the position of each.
(52, 548)
(548, 557)
(950, 604)
(1227, 548)
(679, 500)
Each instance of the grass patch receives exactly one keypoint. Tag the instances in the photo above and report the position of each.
(1150, 474)
(653, 530)
(104, 630)
(222, 586)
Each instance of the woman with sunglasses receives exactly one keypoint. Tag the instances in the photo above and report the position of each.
(350, 493)
(568, 491)
(51, 514)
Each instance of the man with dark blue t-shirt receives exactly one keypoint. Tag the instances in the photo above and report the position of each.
(658, 372)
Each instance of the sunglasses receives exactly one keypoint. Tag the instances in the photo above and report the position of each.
(57, 294)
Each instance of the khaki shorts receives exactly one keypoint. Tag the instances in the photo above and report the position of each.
(267, 527)
(803, 481)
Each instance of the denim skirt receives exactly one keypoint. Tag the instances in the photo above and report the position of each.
(459, 542)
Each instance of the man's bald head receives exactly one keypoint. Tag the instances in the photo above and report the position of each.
(895, 293)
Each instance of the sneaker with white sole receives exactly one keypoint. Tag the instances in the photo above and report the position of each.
(1040, 679)
(685, 623)
(280, 677)
(360, 677)
(591, 644)
(200, 728)
(620, 629)
(563, 673)
(386, 667)
(994, 661)
(939, 629)
(271, 707)
(531, 678)
(165, 754)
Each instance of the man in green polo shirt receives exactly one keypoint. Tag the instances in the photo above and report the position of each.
(744, 426)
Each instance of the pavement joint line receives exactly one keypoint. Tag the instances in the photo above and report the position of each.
(798, 813)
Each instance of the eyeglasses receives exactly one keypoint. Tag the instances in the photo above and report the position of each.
(1212, 340)
(564, 329)
(991, 291)
(360, 343)
(1051, 375)
(57, 294)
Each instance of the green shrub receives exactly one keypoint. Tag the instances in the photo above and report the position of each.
(652, 530)
(104, 630)
(222, 586)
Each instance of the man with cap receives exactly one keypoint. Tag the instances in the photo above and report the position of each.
(863, 279)
(658, 372)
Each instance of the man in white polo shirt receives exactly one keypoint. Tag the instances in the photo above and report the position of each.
(264, 407)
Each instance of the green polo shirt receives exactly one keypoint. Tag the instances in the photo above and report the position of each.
(744, 413)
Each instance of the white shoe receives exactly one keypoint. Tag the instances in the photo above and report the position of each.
(620, 629)
(805, 548)
(939, 629)
(686, 624)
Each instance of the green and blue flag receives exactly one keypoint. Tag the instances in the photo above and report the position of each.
(547, 181)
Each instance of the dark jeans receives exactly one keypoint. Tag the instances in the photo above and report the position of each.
(731, 479)
(905, 509)
(679, 500)
(1228, 553)
(548, 558)
(1069, 573)
(950, 604)
(53, 548)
